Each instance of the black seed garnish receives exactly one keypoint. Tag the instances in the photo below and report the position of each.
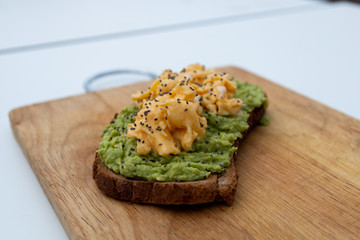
(160, 144)
(132, 149)
(129, 154)
(135, 164)
(201, 125)
(155, 119)
(185, 109)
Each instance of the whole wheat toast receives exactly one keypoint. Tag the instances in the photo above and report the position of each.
(216, 188)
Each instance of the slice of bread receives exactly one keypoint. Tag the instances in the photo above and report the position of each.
(216, 188)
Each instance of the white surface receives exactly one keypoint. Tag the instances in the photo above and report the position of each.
(316, 53)
(25, 23)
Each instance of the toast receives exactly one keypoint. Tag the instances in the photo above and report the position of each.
(216, 188)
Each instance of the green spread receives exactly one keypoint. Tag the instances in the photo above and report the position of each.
(212, 154)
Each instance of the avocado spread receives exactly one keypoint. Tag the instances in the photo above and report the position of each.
(212, 154)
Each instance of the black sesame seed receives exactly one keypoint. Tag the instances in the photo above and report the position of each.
(135, 164)
(185, 109)
(160, 144)
(132, 149)
(155, 119)
(129, 154)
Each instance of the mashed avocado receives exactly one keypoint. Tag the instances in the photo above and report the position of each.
(212, 154)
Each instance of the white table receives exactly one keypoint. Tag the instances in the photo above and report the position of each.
(313, 50)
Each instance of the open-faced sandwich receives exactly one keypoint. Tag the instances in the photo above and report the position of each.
(177, 144)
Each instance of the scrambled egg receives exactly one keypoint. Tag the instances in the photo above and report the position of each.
(170, 119)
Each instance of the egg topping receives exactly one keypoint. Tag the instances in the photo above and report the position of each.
(169, 119)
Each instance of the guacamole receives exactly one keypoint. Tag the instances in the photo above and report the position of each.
(212, 154)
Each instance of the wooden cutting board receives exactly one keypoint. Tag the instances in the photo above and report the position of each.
(299, 177)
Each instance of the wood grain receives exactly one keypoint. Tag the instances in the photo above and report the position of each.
(299, 176)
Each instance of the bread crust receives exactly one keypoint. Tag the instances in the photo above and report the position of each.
(216, 188)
